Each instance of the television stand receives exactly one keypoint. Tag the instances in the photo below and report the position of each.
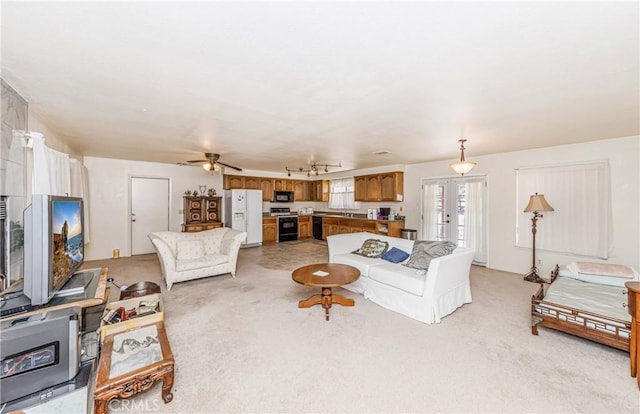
(95, 294)
(76, 285)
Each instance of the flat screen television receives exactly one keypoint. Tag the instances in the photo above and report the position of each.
(53, 244)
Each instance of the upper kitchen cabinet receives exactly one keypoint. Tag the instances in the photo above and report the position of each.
(300, 191)
(319, 190)
(392, 186)
(233, 182)
(380, 187)
(373, 188)
(266, 185)
(252, 183)
(282, 184)
(360, 185)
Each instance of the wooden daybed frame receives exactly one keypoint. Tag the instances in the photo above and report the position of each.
(596, 327)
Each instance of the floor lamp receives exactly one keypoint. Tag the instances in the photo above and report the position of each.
(537, 203)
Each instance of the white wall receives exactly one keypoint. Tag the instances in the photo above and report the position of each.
(110, 199)
(623, 155)
(52, 139)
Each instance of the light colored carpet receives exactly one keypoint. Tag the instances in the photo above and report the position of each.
(242, 345)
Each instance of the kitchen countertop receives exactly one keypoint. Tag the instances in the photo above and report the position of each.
(356, 216)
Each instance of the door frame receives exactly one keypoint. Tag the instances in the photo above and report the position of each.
(454, 179)
(129, 207)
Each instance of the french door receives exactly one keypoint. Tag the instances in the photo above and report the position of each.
(454, 209)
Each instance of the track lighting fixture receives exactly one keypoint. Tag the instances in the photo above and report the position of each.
(313, 169)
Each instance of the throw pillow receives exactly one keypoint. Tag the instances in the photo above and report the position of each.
(372, 248)
(190, 249)
(424, 251)
(395, 255)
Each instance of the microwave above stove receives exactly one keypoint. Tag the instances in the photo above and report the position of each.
(283, 196)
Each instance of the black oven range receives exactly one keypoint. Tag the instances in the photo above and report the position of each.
(287, 223)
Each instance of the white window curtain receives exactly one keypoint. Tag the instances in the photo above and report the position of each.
(55, 173)
(342, 194)
(474, 216)
(80, 188)
(51, 169)
(580, 195)
(430, 212)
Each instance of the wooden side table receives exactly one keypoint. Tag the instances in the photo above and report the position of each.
(131, 362)
(633, 291)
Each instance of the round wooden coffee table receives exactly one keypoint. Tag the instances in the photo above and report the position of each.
(326, 276)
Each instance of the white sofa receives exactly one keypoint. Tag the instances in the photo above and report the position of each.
(427, 298)
(187, 256)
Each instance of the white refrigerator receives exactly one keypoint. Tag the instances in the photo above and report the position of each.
(243, 211)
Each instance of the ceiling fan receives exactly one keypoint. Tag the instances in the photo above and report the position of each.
(211, 163)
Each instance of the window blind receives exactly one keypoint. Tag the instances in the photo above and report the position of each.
(580, 195)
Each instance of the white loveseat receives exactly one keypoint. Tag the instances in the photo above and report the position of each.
(427, 297)
(187, 256)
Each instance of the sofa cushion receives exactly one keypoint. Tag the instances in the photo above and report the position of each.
(403, 278)
(201, 262)
(363, 264)
(189, 249)
(426, 250)
(372, 248)
(395, 255)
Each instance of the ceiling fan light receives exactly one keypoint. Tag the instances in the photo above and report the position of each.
(213, 167)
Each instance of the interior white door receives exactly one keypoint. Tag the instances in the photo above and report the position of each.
(149, 211)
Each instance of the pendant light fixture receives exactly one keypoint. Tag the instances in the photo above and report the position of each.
(463, 166)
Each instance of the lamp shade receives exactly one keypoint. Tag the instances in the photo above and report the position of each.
(537, 203)
(463, 167)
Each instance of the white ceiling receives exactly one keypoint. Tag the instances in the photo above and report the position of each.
(269, 85)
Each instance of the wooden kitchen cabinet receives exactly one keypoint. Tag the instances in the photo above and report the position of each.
(269, 229)
(380, 187)
(304, 190)
(335, 225)
(282, 184)
(373, 188)
(389, 228)
(304, 227)
(266, 185)
(233, 182)
(300, 191)
(252, 183)
(392, 186)
(360, 188)
(344, 226)
(201, 213)
(330, 226)
(325, 190)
